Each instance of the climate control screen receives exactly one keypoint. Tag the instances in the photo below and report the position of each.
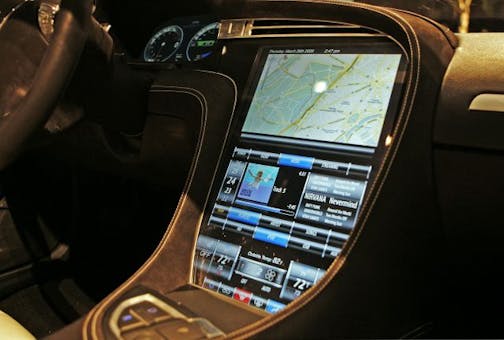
(291, 187)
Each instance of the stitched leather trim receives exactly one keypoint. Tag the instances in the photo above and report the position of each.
(91, 328)
(96, 314)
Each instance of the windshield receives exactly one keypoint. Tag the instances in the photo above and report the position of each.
(459, 15)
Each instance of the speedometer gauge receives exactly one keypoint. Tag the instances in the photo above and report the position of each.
(164, 44)
(202, 43)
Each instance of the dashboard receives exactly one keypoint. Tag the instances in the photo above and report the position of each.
(275, 169)
(312, 196)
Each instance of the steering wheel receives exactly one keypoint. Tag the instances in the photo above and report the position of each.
(73, 26)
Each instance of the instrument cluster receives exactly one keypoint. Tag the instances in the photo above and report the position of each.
(186, 39)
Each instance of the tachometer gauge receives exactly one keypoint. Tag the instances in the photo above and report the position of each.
(164, 44)
(202, 43)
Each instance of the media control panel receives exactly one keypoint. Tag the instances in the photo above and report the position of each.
(268, 202)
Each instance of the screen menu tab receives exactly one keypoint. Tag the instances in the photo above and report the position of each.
(295, 178)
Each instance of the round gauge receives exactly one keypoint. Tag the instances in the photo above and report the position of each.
(202, 43)
(164, 44)
(46, 13)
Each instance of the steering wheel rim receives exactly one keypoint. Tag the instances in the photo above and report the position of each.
(72, 26)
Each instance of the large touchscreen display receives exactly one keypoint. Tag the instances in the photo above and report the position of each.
(294, 180)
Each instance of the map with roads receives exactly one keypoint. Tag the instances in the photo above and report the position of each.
(340, 98)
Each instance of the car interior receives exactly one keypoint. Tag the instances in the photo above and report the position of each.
(251, 169)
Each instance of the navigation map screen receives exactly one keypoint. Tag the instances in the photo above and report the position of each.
(332, 97)
(290, 188)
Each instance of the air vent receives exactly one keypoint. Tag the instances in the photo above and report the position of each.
(268, 27)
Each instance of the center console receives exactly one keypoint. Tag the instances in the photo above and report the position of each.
(297, 135)
(275, 197)
(313, 121)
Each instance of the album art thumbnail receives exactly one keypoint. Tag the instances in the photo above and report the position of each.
(258, 182)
